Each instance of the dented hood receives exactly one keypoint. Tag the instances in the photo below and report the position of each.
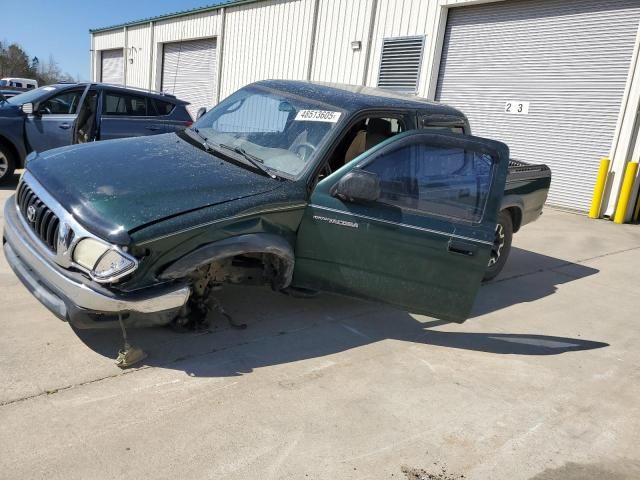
(118, 186)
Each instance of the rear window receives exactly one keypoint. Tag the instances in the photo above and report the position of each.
(116, 103)
(162, 108)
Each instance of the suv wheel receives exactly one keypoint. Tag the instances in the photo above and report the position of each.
(7, 164)
(501, 246)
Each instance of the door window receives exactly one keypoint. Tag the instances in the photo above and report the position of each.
(126, 104)
(64, 103)
(450, 182)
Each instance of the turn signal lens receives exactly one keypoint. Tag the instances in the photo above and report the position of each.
(112, 264)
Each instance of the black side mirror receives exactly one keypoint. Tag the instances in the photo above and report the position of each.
(358, 185)
(201, 111)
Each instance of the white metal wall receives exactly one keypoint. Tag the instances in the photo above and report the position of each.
(573, 79)
(269, 39)
(137, 54)
(339, 24)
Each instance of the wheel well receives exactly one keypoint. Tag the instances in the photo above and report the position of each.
(516, 217)
(12, 149)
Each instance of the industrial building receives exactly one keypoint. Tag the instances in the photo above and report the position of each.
(557, 80)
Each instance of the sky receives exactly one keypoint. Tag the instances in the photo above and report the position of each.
(61, 28)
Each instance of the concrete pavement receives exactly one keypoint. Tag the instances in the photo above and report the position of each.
(542, 383)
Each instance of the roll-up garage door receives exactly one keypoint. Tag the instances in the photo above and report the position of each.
(189, 72)
(112, 66)
(546, 77)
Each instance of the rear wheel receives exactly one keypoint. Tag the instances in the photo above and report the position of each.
(7, 164)
(501, 246)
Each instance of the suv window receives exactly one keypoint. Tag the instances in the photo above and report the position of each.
(162, 108)
(116, 103)
(62, 103)
(448, 182)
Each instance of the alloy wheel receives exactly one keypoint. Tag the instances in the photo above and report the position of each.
(4, 165)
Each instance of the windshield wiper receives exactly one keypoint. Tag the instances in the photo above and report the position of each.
(252, 159)
(205, 141)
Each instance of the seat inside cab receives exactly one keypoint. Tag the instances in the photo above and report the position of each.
(361, 137)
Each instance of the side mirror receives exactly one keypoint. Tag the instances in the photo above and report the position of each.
(27, 108)
(358, 185)
(201, 111)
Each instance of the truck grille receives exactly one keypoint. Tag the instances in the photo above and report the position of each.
(38, 216)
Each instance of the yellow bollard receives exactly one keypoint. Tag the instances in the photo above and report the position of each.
(625, 192)
(598, 190)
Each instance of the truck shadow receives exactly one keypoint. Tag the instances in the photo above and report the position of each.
(283, 329)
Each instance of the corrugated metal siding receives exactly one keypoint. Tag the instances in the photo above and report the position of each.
(138, 39)
(189, 72)
(568, 58)
(201, 25)
(402, 18)
(109, 40)
(264, 40)
(340, 23)
(112, 66)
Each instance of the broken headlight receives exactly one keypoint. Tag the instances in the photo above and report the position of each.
(105, 263)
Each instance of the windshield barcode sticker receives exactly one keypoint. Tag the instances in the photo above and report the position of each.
(318, 116)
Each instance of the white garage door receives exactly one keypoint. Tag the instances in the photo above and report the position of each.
(189, 72)
(563, 63)
(112, 66)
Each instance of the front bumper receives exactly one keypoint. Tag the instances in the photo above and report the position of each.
(75, 299)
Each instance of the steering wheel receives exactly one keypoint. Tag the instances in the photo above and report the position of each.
(305, 145)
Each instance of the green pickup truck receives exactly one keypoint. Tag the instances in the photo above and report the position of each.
(301, 186)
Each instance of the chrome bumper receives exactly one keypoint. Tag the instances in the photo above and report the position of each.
(57, 291)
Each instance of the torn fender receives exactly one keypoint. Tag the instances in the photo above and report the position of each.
(230, 247)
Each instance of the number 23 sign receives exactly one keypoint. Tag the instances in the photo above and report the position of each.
(516, 107)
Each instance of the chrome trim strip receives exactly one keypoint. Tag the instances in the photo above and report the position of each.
(226, 219)
(64, 257)
(413, 227)
(82, 295)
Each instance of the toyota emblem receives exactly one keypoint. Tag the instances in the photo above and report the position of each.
(31, 213)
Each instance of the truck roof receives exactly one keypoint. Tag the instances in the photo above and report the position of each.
(357, 97)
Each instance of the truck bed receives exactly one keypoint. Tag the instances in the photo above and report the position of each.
(527, 188)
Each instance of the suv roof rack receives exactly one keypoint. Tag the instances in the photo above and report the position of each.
(138, 89)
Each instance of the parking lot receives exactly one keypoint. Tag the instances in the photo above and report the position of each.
(541, 383)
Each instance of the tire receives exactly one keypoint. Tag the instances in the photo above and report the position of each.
(7, 164)
(501, 246)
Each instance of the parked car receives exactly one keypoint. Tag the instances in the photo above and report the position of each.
(298, 185)
(26, 83)
(64, 114)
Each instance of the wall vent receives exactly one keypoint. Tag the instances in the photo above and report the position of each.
(400, 64)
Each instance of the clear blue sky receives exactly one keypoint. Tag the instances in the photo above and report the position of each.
(61, 29)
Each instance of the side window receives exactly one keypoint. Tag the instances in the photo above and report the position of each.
(162, 108)
(116, 103)
(366, 135)
(253, 114)
(18, 84)
(63, 103)
(448, 182)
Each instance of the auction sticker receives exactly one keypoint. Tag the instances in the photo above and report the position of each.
(318, 116)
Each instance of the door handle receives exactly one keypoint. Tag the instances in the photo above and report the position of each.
(460, 247)
(64, 126)
(153, 128)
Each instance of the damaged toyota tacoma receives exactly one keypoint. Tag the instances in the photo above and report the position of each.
(297, 185)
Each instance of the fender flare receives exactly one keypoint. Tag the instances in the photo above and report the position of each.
(513, 201)
(232, 246)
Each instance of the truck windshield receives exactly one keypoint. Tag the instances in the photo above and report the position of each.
(282, 132)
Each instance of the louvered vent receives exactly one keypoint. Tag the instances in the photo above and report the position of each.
(400, 64)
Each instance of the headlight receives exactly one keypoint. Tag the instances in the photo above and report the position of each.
(103, 261)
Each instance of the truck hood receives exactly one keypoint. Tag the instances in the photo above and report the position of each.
(113, 188)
